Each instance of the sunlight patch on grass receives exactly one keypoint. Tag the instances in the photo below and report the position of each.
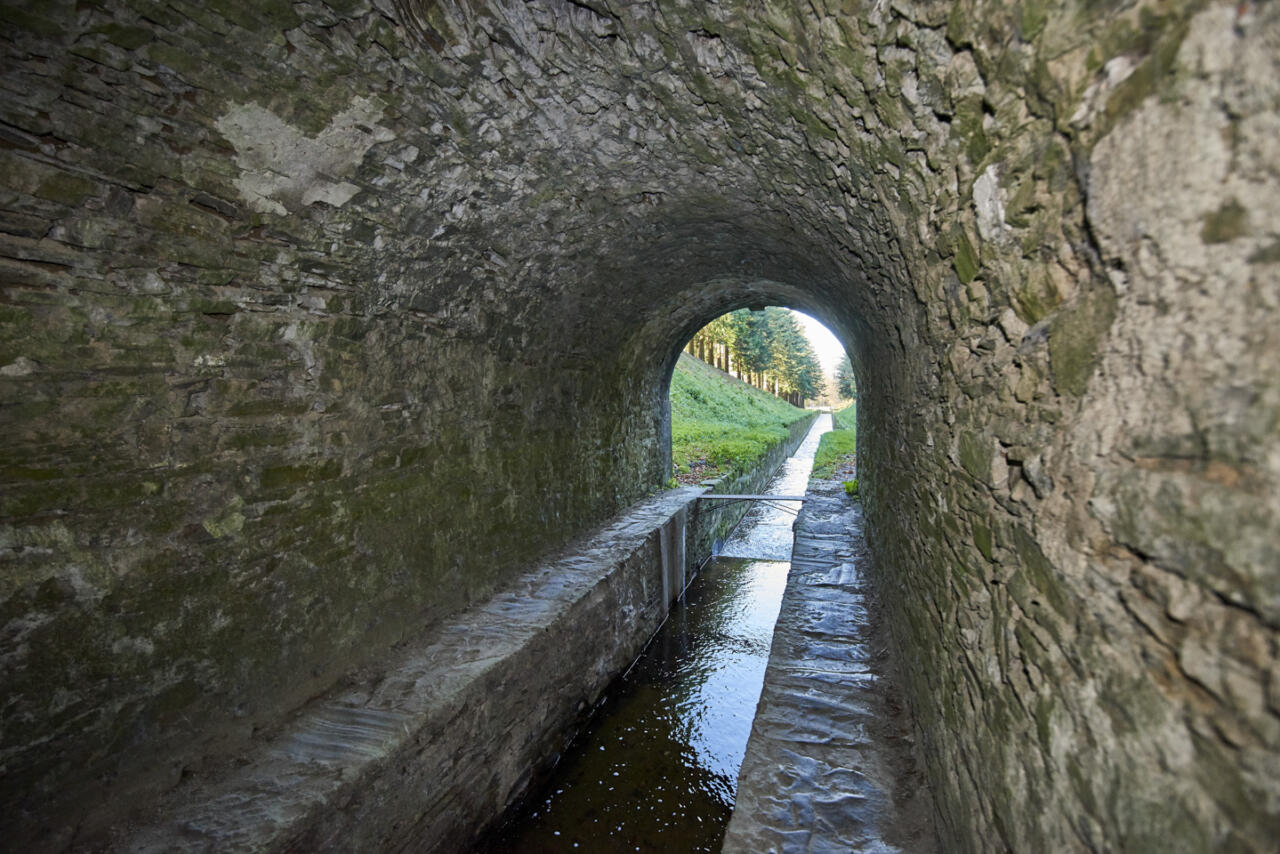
(720, 424)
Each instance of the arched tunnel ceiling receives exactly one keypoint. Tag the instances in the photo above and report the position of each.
(609, 158)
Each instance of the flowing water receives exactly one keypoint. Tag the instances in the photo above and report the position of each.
(656, 767)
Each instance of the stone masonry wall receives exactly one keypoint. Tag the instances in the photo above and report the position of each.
(321, 319)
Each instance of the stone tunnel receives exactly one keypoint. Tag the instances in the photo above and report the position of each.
(322, 319)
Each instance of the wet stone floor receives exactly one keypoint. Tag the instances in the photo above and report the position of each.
(655, 768)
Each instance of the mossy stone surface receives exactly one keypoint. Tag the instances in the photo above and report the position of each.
(1075, 340)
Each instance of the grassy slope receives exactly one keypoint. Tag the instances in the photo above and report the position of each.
(720, 424)
(835, 451)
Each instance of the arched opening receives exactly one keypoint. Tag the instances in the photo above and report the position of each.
(741, 382)
(664, 327)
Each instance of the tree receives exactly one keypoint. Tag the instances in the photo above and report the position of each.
(750, 346)
(765, 348)
(720, 332)
(713, 342)
(846, 387)
(793, 366)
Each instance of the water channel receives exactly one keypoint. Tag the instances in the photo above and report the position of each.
(656, 766)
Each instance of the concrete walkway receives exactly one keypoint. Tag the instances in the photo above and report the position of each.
(829, 767)
(418, 751)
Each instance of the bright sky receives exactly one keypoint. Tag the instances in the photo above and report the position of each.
(824, 343)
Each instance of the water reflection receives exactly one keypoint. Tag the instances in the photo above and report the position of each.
(656, 768)
(766, 530)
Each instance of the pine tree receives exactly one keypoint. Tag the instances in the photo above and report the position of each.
(767, 349)
(845, 384)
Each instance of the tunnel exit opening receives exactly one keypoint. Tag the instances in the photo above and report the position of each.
(684, 321)
(742, 379)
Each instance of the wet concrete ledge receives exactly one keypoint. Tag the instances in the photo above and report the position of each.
(829, 766)
(421, 754)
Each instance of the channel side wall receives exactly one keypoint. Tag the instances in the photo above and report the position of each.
(420, 754)
(423, 753)
(712, 524)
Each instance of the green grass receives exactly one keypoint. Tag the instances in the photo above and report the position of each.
(847, 418)
(836, 449)
(719, 424)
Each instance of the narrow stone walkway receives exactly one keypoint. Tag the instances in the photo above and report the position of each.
(829, 767)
